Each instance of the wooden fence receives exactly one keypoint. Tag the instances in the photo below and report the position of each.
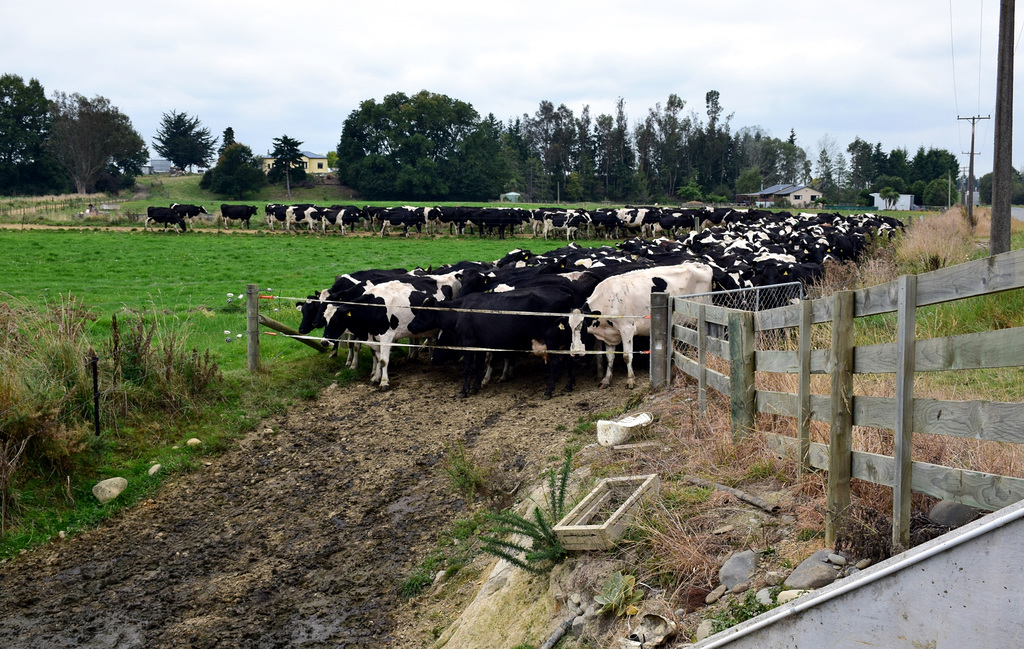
(842, 409)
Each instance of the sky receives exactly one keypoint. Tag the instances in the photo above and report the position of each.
(898, 73)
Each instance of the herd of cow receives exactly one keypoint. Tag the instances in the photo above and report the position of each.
(609, 223)
(561, 303)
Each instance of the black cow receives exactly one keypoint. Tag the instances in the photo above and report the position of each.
(240, 212)
(164, 215)
(469, 321)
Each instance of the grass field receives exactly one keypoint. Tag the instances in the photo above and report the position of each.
(185, 280)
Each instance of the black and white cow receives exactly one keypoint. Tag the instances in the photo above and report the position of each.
(165, 215)
(189, 211)
(276, 213)
(237, 212)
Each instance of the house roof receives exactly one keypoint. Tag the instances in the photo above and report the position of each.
(782, 189)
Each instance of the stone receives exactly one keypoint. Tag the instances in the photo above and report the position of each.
(789, 595)
(815, 571)
(704, 630)
(153, 470)
(193, 442)
(739, 568)
(715, 595)
(773, 578)
(741, 587)
(837, 559)
(107, 490)
(862, 564)
(593, 611)
(725, 529)
(764, 597)
(951, 514)
(578, 624)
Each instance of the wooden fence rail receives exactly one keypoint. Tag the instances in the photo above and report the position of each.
(842, 409)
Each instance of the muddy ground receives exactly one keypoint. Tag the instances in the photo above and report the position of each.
(302, 534)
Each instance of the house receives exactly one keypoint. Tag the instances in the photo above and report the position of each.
(157, 166)
(797, 195)
(313, 163)
(904, 202)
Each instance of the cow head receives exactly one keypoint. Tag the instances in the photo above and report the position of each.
(576, 320)
(312, 310)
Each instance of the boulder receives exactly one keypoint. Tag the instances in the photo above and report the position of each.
(951, 514)
(815, 571)
(738, 569)
(107, 490)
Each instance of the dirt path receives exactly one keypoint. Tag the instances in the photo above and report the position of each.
(302, 534)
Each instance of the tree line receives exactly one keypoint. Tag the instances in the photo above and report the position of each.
(431, 147)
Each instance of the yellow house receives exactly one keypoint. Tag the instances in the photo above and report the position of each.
(313, 163)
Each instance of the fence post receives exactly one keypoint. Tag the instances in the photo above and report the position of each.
(841, 431)
(804, 389)
(252, 326)
(903, 432)
(660, 374)
(94, 360)
(702, 370)
(742, 395)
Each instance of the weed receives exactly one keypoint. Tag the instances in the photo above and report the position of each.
(740, 610)
(466, 476)
(618, 595)
(532, 544)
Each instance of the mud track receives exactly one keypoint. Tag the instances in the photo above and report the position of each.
(301, 535)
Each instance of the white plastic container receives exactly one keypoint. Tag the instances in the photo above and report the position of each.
(610, 433)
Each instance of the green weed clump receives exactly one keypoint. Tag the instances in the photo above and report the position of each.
(532, 544)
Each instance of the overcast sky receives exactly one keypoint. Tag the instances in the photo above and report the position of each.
(899, 73)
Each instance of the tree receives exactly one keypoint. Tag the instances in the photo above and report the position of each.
(749, 181)
(890, 196)
(226, 140)
(238, 172)
(25, 165)
(181, 140)
(287, 161)
(89, 135)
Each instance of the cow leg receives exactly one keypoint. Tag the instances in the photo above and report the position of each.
(489, 361)
(467, 372)
(609, 357)
(627, 348)
(506, 372)
(384, 354)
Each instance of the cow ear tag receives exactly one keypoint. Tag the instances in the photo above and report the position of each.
(561, 327)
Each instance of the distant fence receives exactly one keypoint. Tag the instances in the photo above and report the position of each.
(842, 409)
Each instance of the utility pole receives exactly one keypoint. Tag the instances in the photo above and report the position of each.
(999, 239)
(970, 177)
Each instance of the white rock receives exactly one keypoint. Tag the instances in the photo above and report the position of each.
(108, 489)
(154, 469)
(193, 442)
(764, 597)
(788, 595)
(837, 559)
(704, 630)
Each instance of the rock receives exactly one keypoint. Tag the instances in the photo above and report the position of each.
(193, 442)
(789, 595)
(153, 470)
(107, 490)
(578, 624)
(815, 571)
(651, 632)
(837, 559)
(739, 568)
(951, 514)
(725, 529)
(715, 595)
(773, 578)
(438, 577)
(764, 597)
(593, 612)
(62, 534)
(704, 630)
(862, 564)
(741, 587)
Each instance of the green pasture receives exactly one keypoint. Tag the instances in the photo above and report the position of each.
(184, 281)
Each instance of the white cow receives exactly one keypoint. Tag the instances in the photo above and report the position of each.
(629, 294)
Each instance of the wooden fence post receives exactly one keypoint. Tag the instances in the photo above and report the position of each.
(661, 356)
(252, 326)
(903, 431)
(702, 370)
(841, 431)
(741, 373)
(804, 389)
